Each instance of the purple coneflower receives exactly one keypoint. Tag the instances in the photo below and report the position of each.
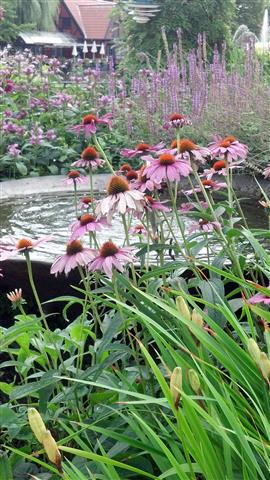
(187, 207)
(228, 148)
(204, 226)
(90, 122)
(131, 175)
(11, 247)
(76, 256)
(120, 199)
(152, 204)
(260, 298)
(85, 202)
(191, 152)
(75, 177)
(177, 120)
(89, 158)
(266, 172)
(208, 185)
(87, 223)
(166, 167)
(141, 148)
(219, 167)
(124, 168)
(143, 183)
(110, 256)
(15, 296)
(138, 230)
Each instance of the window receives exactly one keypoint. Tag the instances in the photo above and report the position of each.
(66, 22)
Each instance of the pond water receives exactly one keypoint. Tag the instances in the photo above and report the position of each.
(39, 215)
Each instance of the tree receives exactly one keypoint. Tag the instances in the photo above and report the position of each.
(214, 17)
(9, 30)
(250, 13)
(41, 13)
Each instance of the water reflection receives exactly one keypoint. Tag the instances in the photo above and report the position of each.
(40, 215)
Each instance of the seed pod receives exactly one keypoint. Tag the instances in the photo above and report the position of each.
(254, 350)
(194, 381)
(197, 318)
(176, 385)
(182, 308)
(264, 365)
(36, 423)
(51, 449)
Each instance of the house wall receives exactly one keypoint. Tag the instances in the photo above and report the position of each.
(66, 23)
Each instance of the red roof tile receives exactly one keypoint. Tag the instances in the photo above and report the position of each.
(92, 16)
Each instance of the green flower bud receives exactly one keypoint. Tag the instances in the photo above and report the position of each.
(196, 318)
(264, 365)
(36, 423)
(176, 385)
(182, 308)
(194, 381)
(51, 449)
(254, 350)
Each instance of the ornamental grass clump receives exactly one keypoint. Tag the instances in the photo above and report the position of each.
(153, 357)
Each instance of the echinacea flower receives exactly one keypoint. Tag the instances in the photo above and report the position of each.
(138, 230)
(11, 247)
(143, 183)
(260, 298)
(266, 172)
(110, 256)
(76, 256)
(75, 177)
(124, 168)
(152, 204)
(15, 296)
(228, 148)
(85, 202)
(140, 149)
(87, 223)
(219, 168)
(208, 185)
(131, 175)
(187, 207)
(191, 152)
(264, 204)
(167, 167)
(90, 122)
(177, 120)
(204, 226)
(120, 199)
(89, 159)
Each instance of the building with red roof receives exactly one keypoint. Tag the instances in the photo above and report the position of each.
(89, 23)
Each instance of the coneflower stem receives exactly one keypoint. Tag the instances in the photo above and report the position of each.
(75, 198)
(230, 199)
(173, 196)
(100, 149)
(128, 244)
(34, 290)
(91, 187)
(42, 314)
(178, 140)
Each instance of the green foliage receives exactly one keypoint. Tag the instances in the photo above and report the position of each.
(9, 28)
(213, 17)
(42, 13)
(250, 13)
